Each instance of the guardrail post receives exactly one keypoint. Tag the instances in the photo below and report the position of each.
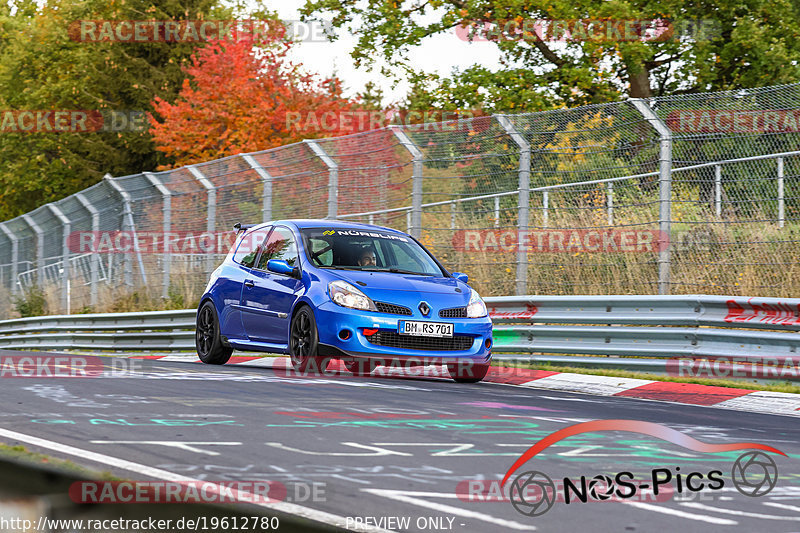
(211, 216)
(95, 262)
(65, 279)
(718, 190)
(417, 159)
(781, 199)
(266, 180)
(333, 177)
(39, 248)
(524, 187)
(166, 194)
(664, 192)
(127, 214)
(14, 256)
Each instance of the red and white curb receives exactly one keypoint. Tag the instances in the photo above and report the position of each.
(780, 403)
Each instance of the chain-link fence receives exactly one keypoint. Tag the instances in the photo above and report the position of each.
(683, 194)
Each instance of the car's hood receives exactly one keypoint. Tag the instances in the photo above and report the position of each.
(386, 281)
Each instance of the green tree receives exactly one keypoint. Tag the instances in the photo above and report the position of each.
(44, 67)
(742, 43)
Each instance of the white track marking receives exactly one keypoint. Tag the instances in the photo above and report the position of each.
(765, 402)
(375, 451)
(783, 506)
(586, 383)
(188, 446)
(164, 475)
(683, 514)
(740, 513)
(415, 498)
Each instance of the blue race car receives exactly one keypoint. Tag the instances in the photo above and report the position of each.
(320, 290)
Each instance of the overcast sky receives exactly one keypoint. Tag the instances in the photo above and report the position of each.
(437, 54)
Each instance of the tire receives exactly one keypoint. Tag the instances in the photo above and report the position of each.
(207, 338)
(304, 343)
(467, 373)
(361, 367)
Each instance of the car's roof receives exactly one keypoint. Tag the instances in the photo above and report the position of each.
(324, 223)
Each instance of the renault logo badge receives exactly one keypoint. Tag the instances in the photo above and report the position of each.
(424, 308)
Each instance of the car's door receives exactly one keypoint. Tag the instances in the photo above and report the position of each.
(268, 297)
(231, 280)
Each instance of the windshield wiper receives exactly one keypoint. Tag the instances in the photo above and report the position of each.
(398, 271)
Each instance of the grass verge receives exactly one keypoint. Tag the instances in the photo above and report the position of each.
(22, 454)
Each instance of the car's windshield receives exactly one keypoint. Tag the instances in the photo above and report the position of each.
(372, 250)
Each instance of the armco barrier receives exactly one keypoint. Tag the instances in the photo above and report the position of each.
(642, 326)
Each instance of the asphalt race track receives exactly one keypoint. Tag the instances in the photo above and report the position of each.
(407, 454)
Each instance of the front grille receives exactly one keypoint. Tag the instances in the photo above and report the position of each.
(455, 312)
(392, 309)
(392, 339)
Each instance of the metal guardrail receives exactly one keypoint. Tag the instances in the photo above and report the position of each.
(641, 326)
(145, 331)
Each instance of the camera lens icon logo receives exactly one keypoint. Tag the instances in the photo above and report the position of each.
(754, 474)
(532, 493)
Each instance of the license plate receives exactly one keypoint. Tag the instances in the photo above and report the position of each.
(426, 329)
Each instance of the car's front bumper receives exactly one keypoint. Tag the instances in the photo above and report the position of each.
(333, 319)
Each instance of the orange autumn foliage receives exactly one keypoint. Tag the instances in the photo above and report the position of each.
(243, 98)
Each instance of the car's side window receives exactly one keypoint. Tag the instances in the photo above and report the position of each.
(321, 252)
(280, 245)
(248, 248)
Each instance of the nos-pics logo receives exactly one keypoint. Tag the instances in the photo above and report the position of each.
(533, 493)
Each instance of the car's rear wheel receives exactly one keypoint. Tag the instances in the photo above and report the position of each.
(207, 337)
(360, 367)
(465, 372)
(304, 343)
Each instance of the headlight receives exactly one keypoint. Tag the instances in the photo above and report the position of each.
(476, 308)
(346, 295)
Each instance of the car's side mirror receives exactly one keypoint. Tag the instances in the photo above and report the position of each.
(282, 267)
(461, 277)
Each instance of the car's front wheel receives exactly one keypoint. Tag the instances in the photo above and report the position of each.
(467, 372)
(207, 337)
(304, 343)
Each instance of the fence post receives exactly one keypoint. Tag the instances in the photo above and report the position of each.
(333, 177)
(415, 225)
(95, 214)
(266, 180)
(452, 216)
(524, 187)
(496, 211)
(39, 248)
(610, 202)
(718, 190)
(781, 199)
(14, 255)
(66, 227)
(211, 216)
(127, 214)
(166, 194)
(664, 192)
